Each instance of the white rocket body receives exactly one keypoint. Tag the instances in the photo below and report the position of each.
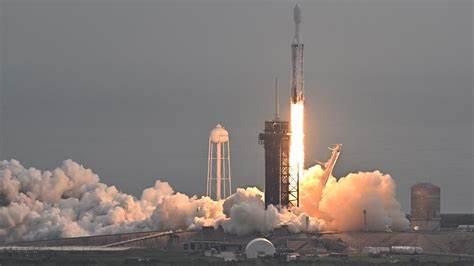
(297, 78)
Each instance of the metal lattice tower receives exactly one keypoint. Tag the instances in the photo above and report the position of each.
(276, 142)
(219, 182)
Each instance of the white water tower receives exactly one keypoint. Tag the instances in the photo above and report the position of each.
(219, 183)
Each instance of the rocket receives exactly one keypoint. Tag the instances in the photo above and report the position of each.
(297, 83)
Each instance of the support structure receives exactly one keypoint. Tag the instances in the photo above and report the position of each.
(276, 142)
(219, 181)
(328, 166)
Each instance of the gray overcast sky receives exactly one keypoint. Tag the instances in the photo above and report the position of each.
(132, 88)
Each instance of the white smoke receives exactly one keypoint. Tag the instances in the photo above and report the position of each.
(70, 201)
(341, 203)
(247, 214)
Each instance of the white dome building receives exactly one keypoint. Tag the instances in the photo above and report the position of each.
(259, 247)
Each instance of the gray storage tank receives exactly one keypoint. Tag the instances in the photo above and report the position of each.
(425, 206)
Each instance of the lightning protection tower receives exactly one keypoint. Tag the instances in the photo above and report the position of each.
(276, 142)
(219, 182)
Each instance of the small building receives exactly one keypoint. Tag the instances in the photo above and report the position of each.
(206, 245)
(454, 220)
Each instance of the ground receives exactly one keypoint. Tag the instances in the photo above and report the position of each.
(162, 248)
(156, 257)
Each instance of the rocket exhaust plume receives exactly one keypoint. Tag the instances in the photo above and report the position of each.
(297, 112)
(296, 151)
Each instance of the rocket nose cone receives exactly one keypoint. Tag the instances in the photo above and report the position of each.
(297, 14)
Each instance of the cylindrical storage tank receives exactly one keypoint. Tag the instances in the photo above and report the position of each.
(219, 134)
(259, 247)
(425, 206)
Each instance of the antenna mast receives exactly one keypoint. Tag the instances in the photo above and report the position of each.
(277, 101)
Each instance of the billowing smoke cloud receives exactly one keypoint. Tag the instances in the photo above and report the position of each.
(70, 201)
(341, 203)
(247, 214)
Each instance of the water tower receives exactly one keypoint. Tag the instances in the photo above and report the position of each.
(219, 183)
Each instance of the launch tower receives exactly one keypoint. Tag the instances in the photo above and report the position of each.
(276, 142)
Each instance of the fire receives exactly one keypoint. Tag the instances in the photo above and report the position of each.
(296, 147)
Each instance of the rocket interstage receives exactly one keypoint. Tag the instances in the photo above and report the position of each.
(297, 112)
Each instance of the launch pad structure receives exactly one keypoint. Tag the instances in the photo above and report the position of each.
(276, 142)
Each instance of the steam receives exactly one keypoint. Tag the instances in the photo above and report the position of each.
(341, 203)
(70, 201)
